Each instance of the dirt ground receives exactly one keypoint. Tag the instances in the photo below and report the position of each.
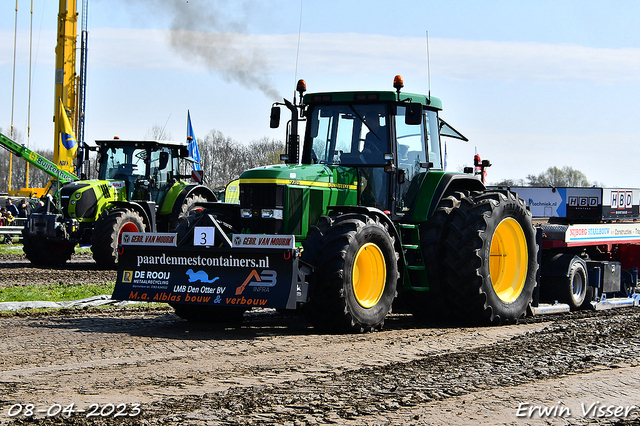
(147, 366)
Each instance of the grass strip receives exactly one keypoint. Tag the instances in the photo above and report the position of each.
(54, 292)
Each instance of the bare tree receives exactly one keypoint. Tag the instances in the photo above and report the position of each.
(553, 176)
(510, 182)
(158, 133)
(556, 177)
(265, 151)
(222, 159)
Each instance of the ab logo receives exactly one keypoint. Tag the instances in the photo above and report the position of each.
(253, 275)
(267, 279)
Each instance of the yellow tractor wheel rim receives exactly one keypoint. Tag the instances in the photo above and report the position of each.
(369, 275)
(509, 258)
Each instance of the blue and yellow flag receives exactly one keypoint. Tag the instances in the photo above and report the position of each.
(67, 145)
(194, 152)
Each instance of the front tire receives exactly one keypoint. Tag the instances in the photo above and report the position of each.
(107, 234)
(356, 273)
(490, 258)
(43, 252)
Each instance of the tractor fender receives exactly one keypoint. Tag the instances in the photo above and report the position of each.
(434, 187)
(143, 209)
(384, 219)
(188, 191)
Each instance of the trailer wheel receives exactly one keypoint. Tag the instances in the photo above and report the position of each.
(490, 258)
(356, 273)
(565, 279)
(107, 233)
(576, 284)
(41, 251)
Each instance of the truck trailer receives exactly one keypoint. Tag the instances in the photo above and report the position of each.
(590, 245)
(362, 217)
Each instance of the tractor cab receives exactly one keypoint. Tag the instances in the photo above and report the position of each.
(392, 139)
(147, 168)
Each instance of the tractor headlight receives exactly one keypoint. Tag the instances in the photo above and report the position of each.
(245, 213)
(272, 213)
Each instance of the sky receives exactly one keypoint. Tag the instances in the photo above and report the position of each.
(532, 84)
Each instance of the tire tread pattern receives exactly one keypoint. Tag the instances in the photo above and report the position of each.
(467, 285)
(329, 246)
(104, 240)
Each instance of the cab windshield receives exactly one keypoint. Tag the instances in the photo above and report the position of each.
(120, 162)
(348, 134)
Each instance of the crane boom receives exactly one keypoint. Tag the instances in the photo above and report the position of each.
(65, 79)
(38, 161)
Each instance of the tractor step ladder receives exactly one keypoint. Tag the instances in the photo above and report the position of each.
(415, 263)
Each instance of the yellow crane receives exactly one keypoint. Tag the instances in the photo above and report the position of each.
(66, 94)
(65, 84)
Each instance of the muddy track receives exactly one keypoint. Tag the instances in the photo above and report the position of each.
(16, 270)
(275, 370)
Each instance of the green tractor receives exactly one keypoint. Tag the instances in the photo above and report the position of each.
(139, 189)
(364, 216)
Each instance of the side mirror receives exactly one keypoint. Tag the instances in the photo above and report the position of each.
(413, 114)
(164, 160)
(275, 117)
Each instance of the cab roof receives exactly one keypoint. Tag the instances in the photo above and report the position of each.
(371, 96)
(141, 143)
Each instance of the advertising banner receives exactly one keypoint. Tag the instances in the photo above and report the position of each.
(613, 233)
(571, 203)
(620, 203)
(211, 276)
(582, 203)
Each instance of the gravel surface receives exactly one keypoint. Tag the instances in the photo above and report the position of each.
(578, 368)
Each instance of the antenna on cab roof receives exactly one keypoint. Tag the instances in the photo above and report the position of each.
(428, 70)
(298, 51)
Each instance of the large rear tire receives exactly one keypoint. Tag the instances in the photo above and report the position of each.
(188, 207)
(490, 258)
(107, 234)
(43, 252)
(355, 276)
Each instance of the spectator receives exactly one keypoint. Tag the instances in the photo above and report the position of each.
(11, 208)
(24, 208)
(5, 217)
